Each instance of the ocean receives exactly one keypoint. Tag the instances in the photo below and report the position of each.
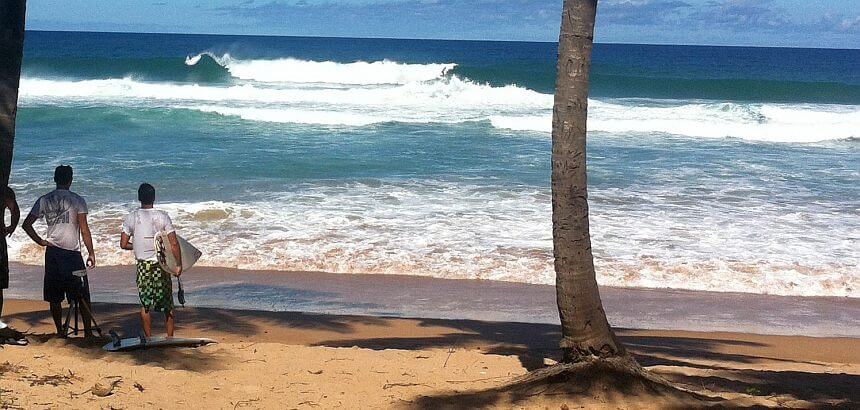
(710, 168)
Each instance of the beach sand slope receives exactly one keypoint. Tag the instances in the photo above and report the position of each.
(295, 360)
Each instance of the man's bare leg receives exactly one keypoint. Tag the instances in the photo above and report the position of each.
(169, 323)
(57, 314)
(146, 322)
(89, 315)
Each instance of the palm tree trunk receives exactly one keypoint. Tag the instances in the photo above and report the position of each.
(585, 330)
(11, 51)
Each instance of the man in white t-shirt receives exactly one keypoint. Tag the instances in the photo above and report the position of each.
(154, 284)
(65, 213)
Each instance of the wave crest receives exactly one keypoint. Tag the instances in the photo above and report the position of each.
(291, 70)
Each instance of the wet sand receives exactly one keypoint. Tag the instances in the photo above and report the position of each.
(410, 296)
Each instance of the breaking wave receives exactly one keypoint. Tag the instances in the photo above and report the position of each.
(455, 100)
(291, 70)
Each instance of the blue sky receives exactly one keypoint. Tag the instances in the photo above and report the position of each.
(785, 23)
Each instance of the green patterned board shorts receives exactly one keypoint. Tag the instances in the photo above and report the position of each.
(155, 287)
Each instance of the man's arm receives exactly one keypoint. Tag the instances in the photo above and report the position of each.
(28, 227)
(12, 205)
(177, 253)
(124, 242)
(88, 239)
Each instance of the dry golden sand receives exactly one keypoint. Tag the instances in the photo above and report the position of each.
(294, 360)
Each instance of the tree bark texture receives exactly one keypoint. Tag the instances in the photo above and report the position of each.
(11, 51)
(585, 331)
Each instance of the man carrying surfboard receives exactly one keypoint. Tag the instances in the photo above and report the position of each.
(155, 287)
(65, 213)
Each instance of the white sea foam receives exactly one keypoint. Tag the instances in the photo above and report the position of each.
(454, 93)
(758, 122)
(453, 100)
(450, 100)
(291, 70)
(193, 60)
(445, 229)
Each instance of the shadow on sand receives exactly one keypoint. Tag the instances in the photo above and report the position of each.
(701, 375)
(246, 324)
(706, 363)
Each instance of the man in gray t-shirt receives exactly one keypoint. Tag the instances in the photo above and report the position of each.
(61, 209)
(65, 214)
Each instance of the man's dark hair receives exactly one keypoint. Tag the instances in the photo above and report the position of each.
(146, 194)
(63, 175)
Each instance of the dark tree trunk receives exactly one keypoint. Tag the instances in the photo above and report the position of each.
(585, 330)
(11, 51)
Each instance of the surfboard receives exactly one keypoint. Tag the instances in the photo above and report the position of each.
(140, 343)
(163, 249)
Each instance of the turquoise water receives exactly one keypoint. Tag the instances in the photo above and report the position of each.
(714, 168)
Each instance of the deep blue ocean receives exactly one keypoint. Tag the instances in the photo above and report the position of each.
(717, 168)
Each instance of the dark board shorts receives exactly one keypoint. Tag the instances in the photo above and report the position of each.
(60, 283)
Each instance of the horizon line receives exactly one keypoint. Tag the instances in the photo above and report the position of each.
(432, 39)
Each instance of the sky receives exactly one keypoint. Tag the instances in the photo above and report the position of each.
(776, 23)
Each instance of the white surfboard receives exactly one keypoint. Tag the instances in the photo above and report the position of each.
(139, 343)
(164, 252)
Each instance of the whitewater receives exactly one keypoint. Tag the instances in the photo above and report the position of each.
(364, 93)
(401, 167)
(291, 70)
(348, 228)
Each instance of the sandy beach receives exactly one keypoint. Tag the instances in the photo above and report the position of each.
(302, 360)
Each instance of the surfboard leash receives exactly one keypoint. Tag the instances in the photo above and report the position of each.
(181, 293)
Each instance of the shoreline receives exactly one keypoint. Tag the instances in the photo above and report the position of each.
(301, 360)
(196, 268)
(426, 297)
